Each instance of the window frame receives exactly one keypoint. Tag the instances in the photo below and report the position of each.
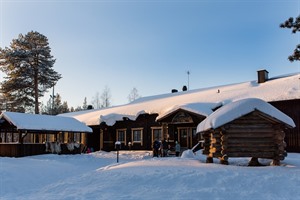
(152, 133)
(141, 135)
(117, 135)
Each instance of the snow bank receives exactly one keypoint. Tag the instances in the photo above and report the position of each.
(139, 176)
(188, 154)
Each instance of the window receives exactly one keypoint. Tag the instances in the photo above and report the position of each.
(121, 135)
(137, 135)
(182, 117)
(156, 133)
(70, 137)
(77, 137)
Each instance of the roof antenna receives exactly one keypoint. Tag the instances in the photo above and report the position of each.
(188, 73)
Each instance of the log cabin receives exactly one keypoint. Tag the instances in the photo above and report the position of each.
(175, 116)
(29, 134)
(245, 128)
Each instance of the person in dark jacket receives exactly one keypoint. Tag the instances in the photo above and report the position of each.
(165, 148)
(177, 149)
(156, 146)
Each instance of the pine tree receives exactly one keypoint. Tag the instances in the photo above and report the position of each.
(43, 109)
(57, 105)
(72, 109)
(2, 103)
(78, 108)
(28, 66)
(64, 108)
(293, 24)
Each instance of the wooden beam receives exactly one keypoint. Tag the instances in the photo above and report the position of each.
(251, 130)
(248, 134)
(250, 141)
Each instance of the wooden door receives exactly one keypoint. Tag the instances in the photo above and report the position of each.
(183, 137)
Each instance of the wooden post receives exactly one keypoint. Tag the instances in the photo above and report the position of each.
(20, 138)
(5, 136)
(254, 162)
(206, 143)
(224, 160)
(209, 159)
(101, 139)
(275, 162)
(20, 149)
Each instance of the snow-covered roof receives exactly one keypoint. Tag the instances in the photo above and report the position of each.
(200, 101)
(34, 122)
(237, 109)
(198, 108)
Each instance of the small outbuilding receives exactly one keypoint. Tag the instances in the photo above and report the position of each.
(24, 134)
(245, 128)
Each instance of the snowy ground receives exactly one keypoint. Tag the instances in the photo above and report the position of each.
(139, 176)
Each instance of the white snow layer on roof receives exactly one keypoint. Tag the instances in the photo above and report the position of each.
(200, 101)
(203, 109)
(25, 121)
(240, 108)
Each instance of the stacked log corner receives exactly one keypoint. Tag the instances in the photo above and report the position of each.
(249, 136)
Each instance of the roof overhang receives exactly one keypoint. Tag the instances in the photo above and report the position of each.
(237, 109)
(200, 109)
(35, 123)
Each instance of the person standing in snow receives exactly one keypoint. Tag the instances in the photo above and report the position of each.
(88, 150)
(177, 149)
(165, 148)
(156, 146)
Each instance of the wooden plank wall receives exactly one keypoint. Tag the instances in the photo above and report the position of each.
(20, 150)
(292, 136)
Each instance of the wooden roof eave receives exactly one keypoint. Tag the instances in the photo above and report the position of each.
(255, 112)
(178, 110)
(207, 131)
(271, 119)
(43, 131)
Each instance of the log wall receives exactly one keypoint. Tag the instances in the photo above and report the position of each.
(252, 135)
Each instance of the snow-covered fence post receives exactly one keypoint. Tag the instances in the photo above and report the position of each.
(129, 145)
(117, 147)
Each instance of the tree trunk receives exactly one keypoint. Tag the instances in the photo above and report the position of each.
(36, 90)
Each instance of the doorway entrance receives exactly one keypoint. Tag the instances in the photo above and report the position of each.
(186, 136)
(183, 137)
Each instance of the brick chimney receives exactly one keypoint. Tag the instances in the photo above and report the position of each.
(262, 76)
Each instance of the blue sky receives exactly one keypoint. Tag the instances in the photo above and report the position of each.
(150, 45)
